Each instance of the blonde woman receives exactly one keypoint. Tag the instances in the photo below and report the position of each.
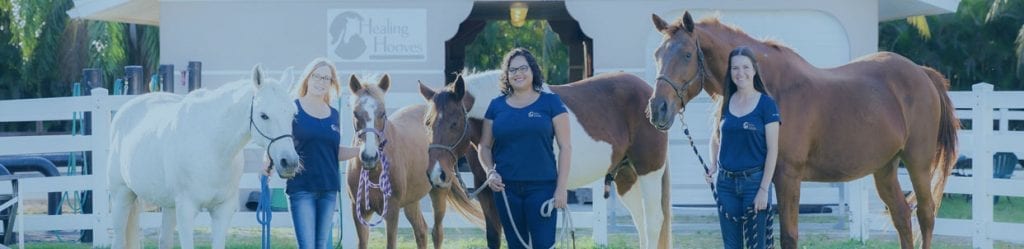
(313, 192)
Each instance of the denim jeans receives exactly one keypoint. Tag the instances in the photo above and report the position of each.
(525, 200)
(736, 195)
(312, 215)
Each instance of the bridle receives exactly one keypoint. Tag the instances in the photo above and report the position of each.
(701, 73)
(252, 124)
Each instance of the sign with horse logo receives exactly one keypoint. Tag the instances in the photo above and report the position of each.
(376, 35)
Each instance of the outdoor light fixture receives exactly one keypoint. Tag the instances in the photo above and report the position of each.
(517, 13)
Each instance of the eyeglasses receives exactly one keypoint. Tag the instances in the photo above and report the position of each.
(523, 68)
(320, 77)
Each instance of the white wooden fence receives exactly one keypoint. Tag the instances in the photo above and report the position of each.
(979, 143)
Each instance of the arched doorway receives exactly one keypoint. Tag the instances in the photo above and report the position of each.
(578, 45)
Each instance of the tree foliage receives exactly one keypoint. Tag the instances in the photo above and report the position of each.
(499, 37)
(982, 42)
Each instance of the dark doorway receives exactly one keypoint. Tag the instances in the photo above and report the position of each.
(578, 45)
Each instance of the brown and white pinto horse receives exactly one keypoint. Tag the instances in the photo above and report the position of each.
(840, 124)
(404, 140)
(608, 127)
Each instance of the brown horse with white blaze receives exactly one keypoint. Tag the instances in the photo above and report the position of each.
(398, 144)
(608, 129)
(840, 124)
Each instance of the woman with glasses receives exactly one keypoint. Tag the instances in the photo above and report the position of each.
(516, 150)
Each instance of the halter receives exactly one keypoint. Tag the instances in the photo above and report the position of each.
(383, 182)
(252, 124)
(701, 73)
(465, 129)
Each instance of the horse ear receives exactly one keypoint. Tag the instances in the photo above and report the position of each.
(385, 83)
(460, 87)
(688, 22)
(287, 77)
(257, 75)
(659, 23)
(354, 85)
(428, 94)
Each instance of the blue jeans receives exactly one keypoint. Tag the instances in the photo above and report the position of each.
(524, 200)
(312, 214)
(736, 195)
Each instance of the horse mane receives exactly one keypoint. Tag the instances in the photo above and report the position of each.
(713, 21)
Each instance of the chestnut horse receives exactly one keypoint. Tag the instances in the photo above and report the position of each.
(395, 146)
(610, 135)
(839, 124)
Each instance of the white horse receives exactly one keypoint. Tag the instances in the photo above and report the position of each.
(184, 154)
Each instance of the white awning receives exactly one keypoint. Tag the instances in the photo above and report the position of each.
(898, 9)
(148, 11)
(129, 11)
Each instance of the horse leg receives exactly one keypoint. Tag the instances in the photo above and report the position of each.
(486, 198)
(787, 191)
(124, 201)
(656, 202)
(221, 219)
(633, 198)
(918, 166)
(167, 228)
(888, 185)
(419, 225)
(361, 230)
(391, 219)
(186, 214)
(438, 200)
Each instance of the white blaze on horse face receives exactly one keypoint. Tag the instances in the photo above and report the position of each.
(369, 149)
(435, 176)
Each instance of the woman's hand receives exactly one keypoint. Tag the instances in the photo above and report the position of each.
(561, 196)
(494, 181)
(761, 200)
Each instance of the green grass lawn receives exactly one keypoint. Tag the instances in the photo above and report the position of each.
(956, 206)
(1009, 209)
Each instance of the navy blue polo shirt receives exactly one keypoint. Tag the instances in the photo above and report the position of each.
(743, 144)
(316, 141)
(523, 147)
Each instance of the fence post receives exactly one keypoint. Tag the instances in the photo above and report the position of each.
(981, 129)
(600, 206)
(101, 116)
(348, 238)
(859, 212)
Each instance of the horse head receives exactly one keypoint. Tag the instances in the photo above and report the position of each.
(370, 118)
(271, 116)
(447, 120)
(681, 70)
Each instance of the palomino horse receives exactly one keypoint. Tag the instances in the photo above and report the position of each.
(184, 154)
(393, 150)
(840, 124)
(608, 129)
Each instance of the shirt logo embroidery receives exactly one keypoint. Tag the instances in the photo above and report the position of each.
(749, 126)
(533, 114)
(334, 127)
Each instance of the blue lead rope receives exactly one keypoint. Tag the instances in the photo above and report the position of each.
(263, 212)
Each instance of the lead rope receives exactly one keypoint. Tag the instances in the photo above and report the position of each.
(750, 236)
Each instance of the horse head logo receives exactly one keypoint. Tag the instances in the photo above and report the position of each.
(346, 35)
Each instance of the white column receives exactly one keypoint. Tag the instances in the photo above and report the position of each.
(981, 211)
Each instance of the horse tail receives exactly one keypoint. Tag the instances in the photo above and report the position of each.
(464, 204)
(946, 154)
